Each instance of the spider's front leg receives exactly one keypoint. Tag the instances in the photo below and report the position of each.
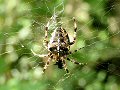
(75, 29)
(39, 55)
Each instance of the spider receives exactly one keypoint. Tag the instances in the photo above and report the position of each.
(58, 47)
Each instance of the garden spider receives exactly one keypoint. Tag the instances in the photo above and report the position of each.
(58, 47)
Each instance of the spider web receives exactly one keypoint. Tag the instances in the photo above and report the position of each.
(22, 29)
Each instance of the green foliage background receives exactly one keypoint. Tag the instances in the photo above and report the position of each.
(22, 29)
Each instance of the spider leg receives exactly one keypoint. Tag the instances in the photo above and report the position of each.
(73, 61)
(47, 64)
(35, 54)
(65, 67)
(46, 35)
(76, 50)
(75, 29)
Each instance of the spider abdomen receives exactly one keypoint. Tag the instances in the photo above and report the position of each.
(59, 42)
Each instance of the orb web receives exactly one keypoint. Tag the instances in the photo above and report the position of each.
(98, 34)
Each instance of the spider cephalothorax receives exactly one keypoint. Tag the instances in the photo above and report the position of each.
(58, 46)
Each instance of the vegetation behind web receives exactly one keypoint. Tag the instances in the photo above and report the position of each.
(22, 29)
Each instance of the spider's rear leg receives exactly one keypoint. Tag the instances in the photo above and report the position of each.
(65, 67)
(75, 29)
(47, 64)
(73, 61)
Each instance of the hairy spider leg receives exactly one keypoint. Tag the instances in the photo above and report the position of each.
(75, 62)
(76, 50)
(75, 29)
(47, 64)
(39, 55)
(46, 35)
(64, 66)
